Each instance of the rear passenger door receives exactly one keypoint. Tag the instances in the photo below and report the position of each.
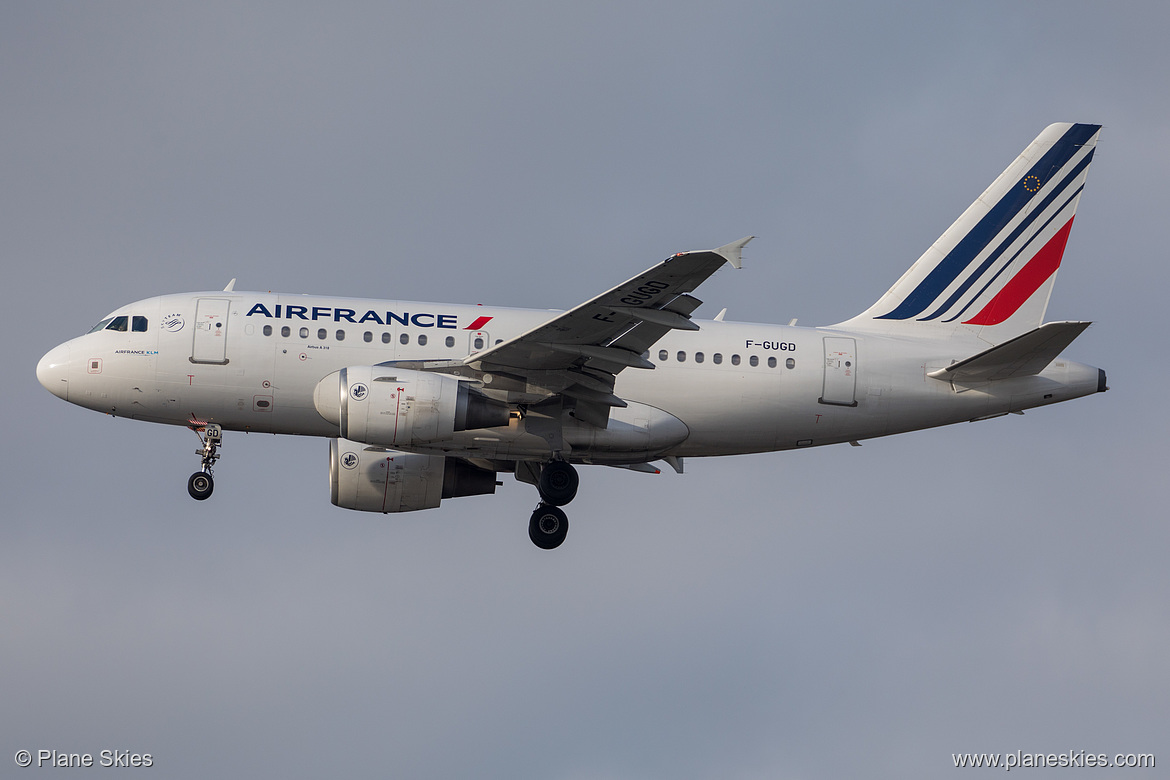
(840, 372)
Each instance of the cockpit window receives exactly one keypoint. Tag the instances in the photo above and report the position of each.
(122, 324)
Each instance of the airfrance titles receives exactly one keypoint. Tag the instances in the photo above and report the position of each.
(338, 314)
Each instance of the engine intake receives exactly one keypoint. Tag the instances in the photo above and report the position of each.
(398, 407)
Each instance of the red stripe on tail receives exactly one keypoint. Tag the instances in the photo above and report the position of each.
(1027, 281)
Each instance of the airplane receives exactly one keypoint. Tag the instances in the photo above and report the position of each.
(423, 402)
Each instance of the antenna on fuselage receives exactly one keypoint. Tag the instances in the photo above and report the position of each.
(230, 286)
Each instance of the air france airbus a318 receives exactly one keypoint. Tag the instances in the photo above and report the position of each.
(426, 401)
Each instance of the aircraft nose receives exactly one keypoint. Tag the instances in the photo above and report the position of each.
(52, 371)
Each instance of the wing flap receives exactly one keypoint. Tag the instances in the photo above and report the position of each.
(1024, 355)
(611, 331)
(612, 355)
(569, 363)
(664, 317)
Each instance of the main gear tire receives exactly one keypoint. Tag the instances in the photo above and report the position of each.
(558, 483)
(548, 527)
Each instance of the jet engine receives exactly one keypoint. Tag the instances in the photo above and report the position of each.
(399, 407)
(375, 479)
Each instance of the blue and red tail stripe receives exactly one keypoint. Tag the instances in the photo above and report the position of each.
(964, 254)
(1021, 229)
(1026, 281)
(1059, 213)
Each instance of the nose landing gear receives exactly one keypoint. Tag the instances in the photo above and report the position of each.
(557, 486)
(200, 485)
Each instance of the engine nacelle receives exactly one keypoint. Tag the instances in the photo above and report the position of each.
(400, 407)
(374, 479)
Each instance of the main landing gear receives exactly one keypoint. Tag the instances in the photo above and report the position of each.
(201, 484)
(557, 485)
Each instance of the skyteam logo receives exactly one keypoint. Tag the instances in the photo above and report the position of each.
(1013, 249)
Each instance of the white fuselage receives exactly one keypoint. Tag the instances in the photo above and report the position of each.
(251, 362)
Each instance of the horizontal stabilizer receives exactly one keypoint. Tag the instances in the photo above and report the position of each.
(1024, 355)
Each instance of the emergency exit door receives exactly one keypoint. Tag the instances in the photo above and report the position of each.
(211, 323)
(840, 372)
(478, 342)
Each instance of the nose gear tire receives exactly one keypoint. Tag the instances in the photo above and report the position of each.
(200, 485)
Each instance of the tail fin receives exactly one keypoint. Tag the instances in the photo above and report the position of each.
(991, 273)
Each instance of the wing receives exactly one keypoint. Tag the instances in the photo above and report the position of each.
(580, 352)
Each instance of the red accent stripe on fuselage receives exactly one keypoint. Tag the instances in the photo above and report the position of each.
(478, 324)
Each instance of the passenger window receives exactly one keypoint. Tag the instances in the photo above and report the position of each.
(450, 341)
(422, 339)
(663, 355)
(304, 333)
(340, 335)
(682, 356)
(717, 358)
(790, 363)
(735, 360)
(138, 324)
(101, 325)
(771, 362)
(118, 323)
(699, 357)
(285, 332)
(755, 361)
(478, 344)
(267, 330)
(404, 339)
(322, 333)
(386, 337)
(367, 337)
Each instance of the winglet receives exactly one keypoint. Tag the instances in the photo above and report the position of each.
(733, 252)
(231, 286)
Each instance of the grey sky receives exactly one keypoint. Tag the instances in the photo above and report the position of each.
(833, 613)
